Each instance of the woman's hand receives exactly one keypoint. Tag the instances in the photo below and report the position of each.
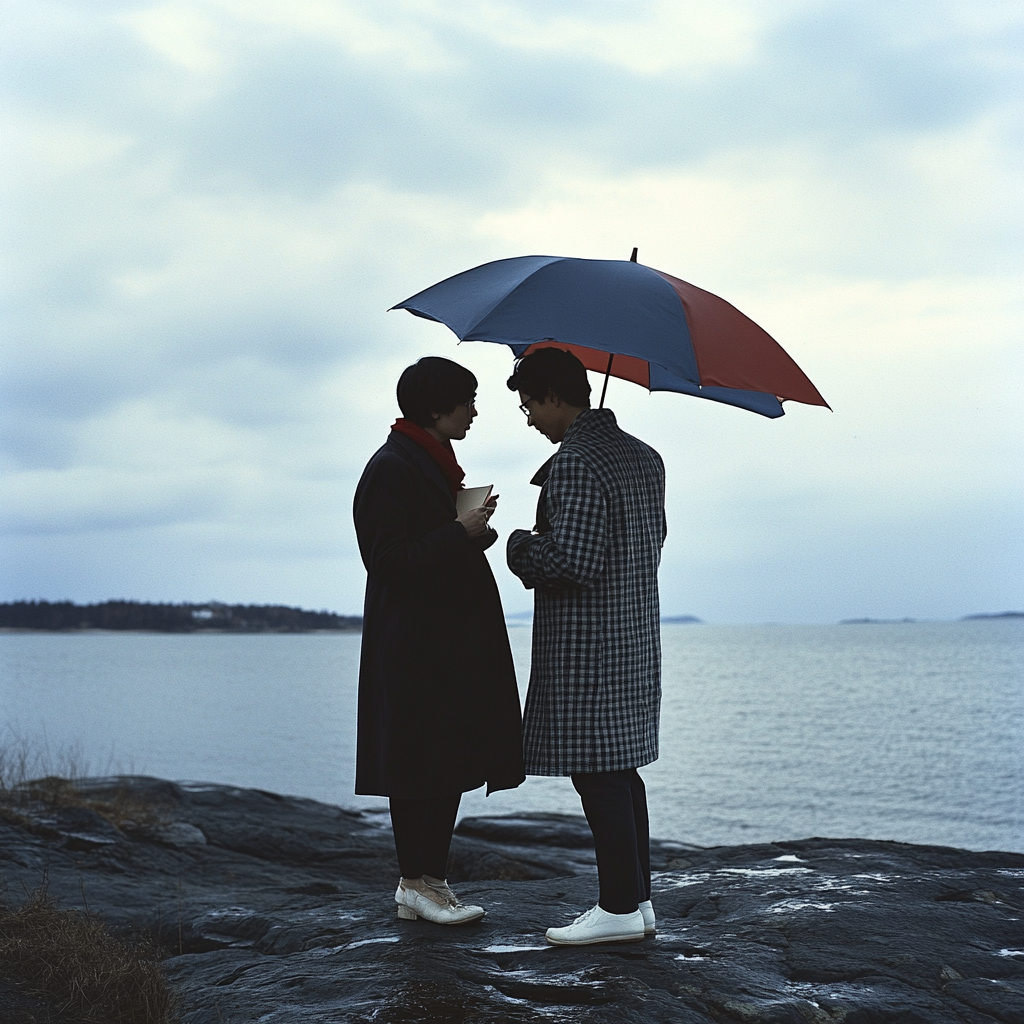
(470, 519)
(475, 521)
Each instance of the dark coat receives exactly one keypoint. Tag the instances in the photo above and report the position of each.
(595, 680)
(438, 704)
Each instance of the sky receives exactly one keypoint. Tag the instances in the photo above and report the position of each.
(209, 206)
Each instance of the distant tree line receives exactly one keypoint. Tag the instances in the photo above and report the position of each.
(170, 618)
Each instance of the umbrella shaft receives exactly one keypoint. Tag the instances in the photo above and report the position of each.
(607, 374)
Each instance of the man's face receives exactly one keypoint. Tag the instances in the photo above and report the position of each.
(543, 415)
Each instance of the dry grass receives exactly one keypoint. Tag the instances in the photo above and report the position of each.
(67, 959)
(30, 776)
(22, 759)
(70, 960)
(122, 807)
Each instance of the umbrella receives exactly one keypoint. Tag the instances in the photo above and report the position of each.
(624, 319)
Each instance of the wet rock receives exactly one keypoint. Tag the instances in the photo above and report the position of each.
(177, 834)
(284, 913)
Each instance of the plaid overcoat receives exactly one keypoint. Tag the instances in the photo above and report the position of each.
(595, 684)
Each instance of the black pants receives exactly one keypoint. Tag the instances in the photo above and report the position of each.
(615, 804)
(423, 834)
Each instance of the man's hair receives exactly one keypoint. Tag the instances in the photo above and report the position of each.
(433, 385)
(552, 369)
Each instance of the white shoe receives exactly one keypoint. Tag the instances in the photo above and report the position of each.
(647, 909)
(597, 925)
(433, 901)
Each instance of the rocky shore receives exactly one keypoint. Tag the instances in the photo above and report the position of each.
(280, 910)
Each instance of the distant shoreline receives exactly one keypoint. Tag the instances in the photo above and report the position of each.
(141, 616)
(72, 631)
(219, 619)
(980, 616)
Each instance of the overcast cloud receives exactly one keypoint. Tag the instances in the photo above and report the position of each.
(210, 205)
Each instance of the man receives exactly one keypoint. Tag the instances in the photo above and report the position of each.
(595, 684)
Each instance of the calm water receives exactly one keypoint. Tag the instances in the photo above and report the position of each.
(912, 732)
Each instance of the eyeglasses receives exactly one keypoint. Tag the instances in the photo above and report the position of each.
(525, 407)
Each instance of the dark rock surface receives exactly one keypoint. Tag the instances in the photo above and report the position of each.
(278, 909)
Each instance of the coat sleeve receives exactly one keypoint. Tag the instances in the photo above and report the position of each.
(573, 554)
(484, 542)
(389, 550)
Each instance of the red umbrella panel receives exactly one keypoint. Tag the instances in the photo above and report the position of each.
(657, 378)
(733, 352)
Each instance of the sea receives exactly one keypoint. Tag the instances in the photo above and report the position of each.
(910, 731)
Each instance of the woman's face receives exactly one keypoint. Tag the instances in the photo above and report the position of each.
(453, 425)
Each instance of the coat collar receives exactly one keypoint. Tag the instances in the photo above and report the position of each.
(540, 478)
(588, 421)
(413, 453)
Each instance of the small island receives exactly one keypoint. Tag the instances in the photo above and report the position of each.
(993, 615)
(875, 622)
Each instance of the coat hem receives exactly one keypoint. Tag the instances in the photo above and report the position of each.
(565, 771)
(416, 793)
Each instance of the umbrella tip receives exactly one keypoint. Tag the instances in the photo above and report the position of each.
(632, 259)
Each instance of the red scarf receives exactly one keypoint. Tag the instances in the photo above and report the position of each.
(442, 454)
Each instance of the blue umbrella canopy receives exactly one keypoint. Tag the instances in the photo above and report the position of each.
(621, 317)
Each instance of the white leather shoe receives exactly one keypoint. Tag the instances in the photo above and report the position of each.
(433, 901)
(597, 925)
(647, 909)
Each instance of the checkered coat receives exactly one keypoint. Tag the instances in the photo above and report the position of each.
(595, 684)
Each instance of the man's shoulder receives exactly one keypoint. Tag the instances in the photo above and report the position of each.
(635, 444)
(607, 442)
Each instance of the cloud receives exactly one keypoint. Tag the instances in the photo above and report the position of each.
(300, 99)
(209, 208)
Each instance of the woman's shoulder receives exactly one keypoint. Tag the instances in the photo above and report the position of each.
(392, 453)
(389, 460)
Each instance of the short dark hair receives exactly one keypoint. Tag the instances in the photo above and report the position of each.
(433, 385)
(552, 369)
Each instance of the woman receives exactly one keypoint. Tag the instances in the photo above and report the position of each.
(438, 705)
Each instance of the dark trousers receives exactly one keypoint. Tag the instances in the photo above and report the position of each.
(615, 804)
(423, 834)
